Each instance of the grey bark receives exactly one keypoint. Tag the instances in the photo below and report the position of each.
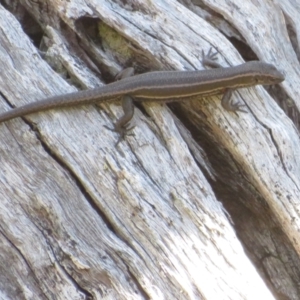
(197, 204)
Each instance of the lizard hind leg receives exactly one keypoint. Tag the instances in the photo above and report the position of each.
(122, 125)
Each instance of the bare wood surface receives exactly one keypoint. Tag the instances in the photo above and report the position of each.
(82, 219)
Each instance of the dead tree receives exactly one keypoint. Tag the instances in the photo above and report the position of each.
(197, 203)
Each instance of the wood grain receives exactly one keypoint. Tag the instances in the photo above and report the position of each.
(197, 204)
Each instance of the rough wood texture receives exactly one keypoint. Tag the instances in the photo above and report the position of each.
(81, 219)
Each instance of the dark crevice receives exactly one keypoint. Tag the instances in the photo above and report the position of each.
(244, 49)
(92, 31)
(5, 99)
(292, 32)
(225, 168)
(285, 103)
(79, 49)
(280, 96)
(87, 33)
(28, 23)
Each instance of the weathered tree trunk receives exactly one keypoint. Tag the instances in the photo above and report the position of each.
(197, 204)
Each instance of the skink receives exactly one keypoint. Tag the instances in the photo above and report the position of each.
(163, 86)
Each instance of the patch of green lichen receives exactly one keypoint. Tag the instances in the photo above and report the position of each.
(113, 41)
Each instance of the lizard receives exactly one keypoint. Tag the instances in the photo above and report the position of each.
(163, 86)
